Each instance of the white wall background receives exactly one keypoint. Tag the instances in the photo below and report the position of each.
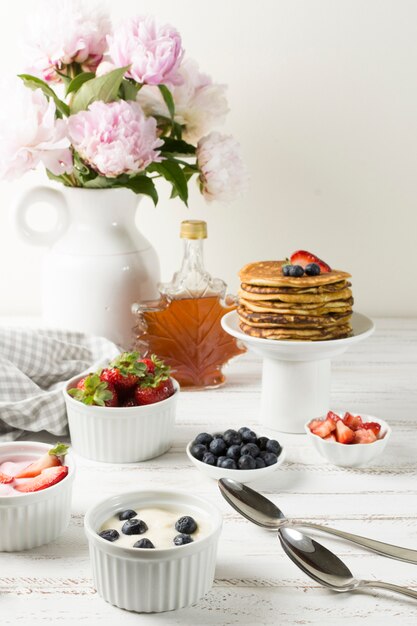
(323, 97)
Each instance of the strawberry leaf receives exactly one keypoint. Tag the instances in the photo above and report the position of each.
(60, 449)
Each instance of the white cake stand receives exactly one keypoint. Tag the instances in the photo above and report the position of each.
(296, 374)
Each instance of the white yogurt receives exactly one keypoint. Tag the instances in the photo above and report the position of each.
(161, 526)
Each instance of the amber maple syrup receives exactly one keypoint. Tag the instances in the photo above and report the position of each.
(183, 327)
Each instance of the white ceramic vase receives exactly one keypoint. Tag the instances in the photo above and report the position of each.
(98, 263)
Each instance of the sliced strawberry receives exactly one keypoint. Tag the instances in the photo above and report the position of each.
(331, 437)
(374, 426)
(343, 433)
(314, 424)
(353, 421)
(5, 479)
(365, 436)
(325, 428)
(52, 458)
(46, 478)
(333, 416)
(303, 258)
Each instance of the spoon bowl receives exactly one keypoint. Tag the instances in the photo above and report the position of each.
(325, 567)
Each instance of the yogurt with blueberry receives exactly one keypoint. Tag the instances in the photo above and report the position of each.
(154, 527)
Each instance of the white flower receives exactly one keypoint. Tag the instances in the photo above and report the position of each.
(30, 134)
(223, 174)
(200, 104)
(64, 32)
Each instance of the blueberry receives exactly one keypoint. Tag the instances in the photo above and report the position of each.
(295, 270)
(182, 539)
(270, 458)
(209, 458)
(123, 515)
(234, 452)
(228, 464)
(261, 442)
(220, 459)
(198, 450)
(218, 436)
(246, 462)
(273, 446)
(242, 430)
(218, 447)
(286, 269)
(109, 535)
(259, 462)
(186, 524)
(143, 543)
(232, 437)
(134, 526)
(312, 269)
(251, 449)
(249, 436)
(203, 438)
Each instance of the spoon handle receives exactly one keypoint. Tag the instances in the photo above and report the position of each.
(396, 588)
(386, 549)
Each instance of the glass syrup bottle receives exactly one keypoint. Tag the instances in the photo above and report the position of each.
(183, 327)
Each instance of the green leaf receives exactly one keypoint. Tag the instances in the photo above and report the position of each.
(177, 147)
(60, 449)
(104, 88)
(168, 99)
(173, 173)
(79, 80)
(142, 184)
(36, 83)
(100, 182)
(129, 90)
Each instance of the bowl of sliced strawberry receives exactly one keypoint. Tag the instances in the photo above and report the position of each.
(124, 412)
(348, 440)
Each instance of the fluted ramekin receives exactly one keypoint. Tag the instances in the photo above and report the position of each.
(29, 520)
(121, 434)
(152, 580)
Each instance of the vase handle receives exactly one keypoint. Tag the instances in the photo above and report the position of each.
(45, 195)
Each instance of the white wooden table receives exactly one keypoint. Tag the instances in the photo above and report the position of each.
(255, 582)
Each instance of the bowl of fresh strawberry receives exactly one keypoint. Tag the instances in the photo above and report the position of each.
(124, 412)
(348, 440)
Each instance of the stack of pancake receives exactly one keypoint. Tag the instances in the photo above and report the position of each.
(306, 308)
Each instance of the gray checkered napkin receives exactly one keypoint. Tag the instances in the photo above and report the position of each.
(34, 366)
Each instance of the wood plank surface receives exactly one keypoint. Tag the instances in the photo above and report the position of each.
(255, 582)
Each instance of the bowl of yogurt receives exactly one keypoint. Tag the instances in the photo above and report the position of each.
(34, 510)
(153, 550)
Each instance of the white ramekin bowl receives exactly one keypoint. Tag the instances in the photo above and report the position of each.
(243, 476)
(156, 580)
(121, 435)
(351, 455)
(29, 520)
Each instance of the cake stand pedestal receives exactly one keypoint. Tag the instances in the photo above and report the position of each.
(296, 375)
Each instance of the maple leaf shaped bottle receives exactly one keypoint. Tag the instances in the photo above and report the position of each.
(183, 328)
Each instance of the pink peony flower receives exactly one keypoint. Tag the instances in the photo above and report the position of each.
(153, 52)
(30, 134)
(199, 103)
(115, 138)
(70, 33)
(223, 175)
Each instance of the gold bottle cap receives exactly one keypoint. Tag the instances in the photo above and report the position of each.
(193, 229)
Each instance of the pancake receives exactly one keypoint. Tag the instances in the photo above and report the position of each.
(297, 335)
(312, 308)
(269, 274)
(276, 290)
(340, 294)
(305, 321)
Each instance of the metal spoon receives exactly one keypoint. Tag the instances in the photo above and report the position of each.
(325, 567)
(261, 511)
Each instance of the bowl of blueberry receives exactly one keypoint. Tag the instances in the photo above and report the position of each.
(238, 454)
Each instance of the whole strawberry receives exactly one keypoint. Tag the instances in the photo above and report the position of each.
(124, 371)
(95, 391)
(148, 393)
